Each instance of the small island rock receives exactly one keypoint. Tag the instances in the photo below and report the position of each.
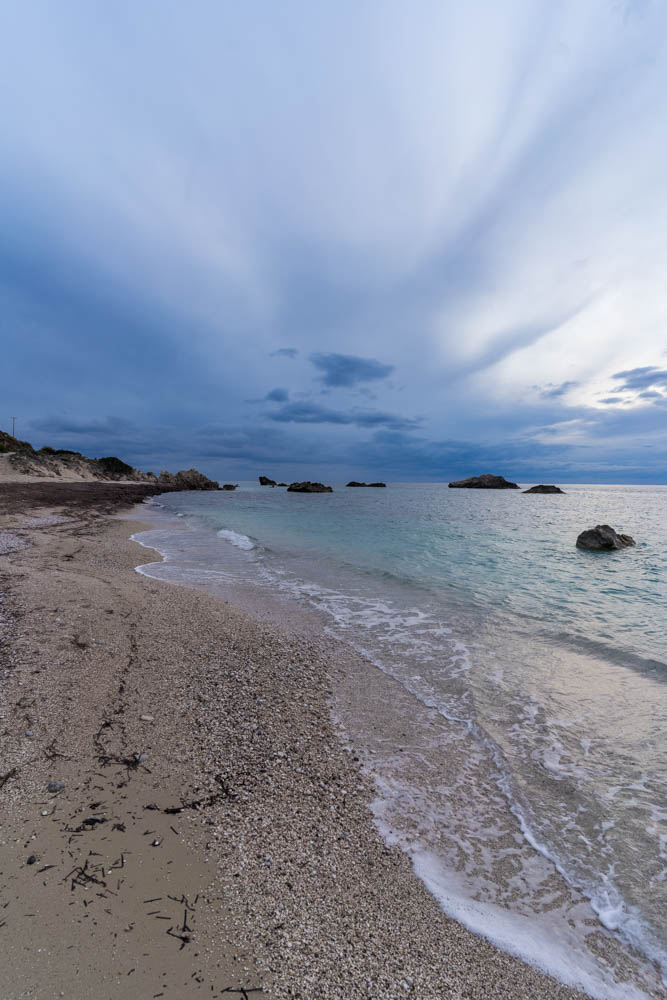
(229, 486)
(484, 482)
(265, 481)
(353, 482)
(603, 537)
(544, 489)
(309, 487)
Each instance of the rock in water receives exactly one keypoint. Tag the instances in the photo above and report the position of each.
(544, 489)
(484, 482)
(265, 481)
(602, 537)
(353, 482)
(229, 486)
(309, 487)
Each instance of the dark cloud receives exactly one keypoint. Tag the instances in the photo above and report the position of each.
(641, 378)
(551, 391)
(348, 370)
(109, 427)
(651, 394)
(284, 352)
(277, 396)
(312, 413)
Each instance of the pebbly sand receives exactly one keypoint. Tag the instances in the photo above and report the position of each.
(220, 846)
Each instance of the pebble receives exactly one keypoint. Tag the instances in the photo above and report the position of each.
(55, 786)
(146, 718)
(28, 732)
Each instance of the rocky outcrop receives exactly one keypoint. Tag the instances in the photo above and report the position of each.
(186, 479)
(353, 483)
(484, 482)
(309, 487)
(602, 537)
(229, 486)
(72, 466)
(265, 481)
(544, 489)
(281, 484)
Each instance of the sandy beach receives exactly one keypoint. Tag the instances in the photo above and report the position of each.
(208, 834)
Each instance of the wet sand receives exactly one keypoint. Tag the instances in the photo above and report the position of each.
(223, 843)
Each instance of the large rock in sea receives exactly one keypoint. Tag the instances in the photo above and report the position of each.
(308, 487)
(602, 537)
(368, 485)
(484, 482)
(544, 489)
(265, 481)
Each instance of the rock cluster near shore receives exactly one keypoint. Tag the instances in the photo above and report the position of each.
(187, 479)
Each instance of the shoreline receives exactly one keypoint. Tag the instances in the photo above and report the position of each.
(277, 829)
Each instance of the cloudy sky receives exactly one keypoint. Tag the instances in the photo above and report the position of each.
(401, 239)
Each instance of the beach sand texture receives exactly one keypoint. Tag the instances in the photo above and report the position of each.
(271, 877)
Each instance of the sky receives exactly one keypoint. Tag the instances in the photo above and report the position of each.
(353, 239)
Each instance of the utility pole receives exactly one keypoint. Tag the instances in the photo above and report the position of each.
(13, 427)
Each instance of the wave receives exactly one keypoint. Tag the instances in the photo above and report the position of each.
(236, 539)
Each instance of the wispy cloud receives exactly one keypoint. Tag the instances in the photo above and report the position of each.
(284, 352)
(551, 391)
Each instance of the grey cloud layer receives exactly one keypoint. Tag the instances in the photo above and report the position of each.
(267, 225)
(312, 413)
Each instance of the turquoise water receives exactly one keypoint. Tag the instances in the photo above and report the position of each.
(530, 676)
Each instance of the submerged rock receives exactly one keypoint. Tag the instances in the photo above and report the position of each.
(309, 487)
(603, 537)
(265, 481)
(544, 489)
(484, 482)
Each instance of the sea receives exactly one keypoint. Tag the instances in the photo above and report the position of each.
(512, 706)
